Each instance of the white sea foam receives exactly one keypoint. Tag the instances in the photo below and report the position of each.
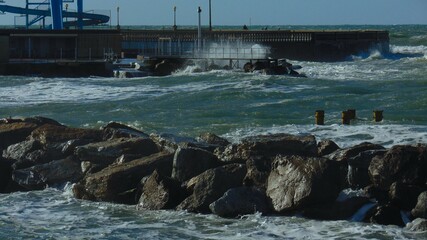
(344, 136)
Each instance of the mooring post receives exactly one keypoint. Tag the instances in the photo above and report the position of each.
(378, 115)
(345, 118)
(320, 117)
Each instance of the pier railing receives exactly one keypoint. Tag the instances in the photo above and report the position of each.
(220, 53)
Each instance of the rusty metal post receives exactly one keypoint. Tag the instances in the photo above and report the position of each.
(320, 117)
(378, 115)
(345, 118)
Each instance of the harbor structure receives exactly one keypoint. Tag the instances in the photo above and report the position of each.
(59, 43)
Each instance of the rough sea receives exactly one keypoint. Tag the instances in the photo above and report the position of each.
(232, 104)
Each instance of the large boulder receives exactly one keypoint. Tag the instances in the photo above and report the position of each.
(49, 133)
(52, 173)
(15, 132)
(420, 210)
(118, 183)
(21, 150)
(269, 146)
(358, 165)
(325, 147)
(211, 185)
(405, 164)
(240, 201)
(342, 155)
(160, 192)
(190, 162)
(404, 196)
(107, 152)
(118, 130)
(296, 182)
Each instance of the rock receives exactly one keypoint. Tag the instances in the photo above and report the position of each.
(213, 139)
(160, 192)
(117, 183)
(59, 134)
(5, 174)
(211, 185)
(11, 133)
(420, 210)
(41, 121)
(170, 142)
(405, 164)
(118, 130)
(55, 172)
(404, 196)
(281, 144)
(326, 147)
(269, 146)
(378, 194)
(386, 215)
(296, 182)
(336, 210)
(20, 151)
(358, 165)
(258, 171)
(240, 201)
(419, 225)
(107, 152)
(190, 162)
(344, 154)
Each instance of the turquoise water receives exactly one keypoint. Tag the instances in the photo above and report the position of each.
(232, 104)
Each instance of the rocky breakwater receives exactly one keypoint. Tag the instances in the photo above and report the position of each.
(276, 174)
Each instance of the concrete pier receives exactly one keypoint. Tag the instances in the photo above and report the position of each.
(85, 46)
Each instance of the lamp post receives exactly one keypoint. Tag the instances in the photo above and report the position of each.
(66, 10)
(210, 16)
(118, 17)
(174, 18)
(199, 30)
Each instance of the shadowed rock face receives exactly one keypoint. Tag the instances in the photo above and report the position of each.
(160, 192)
(405, 164)
(296, 182)
(211, 185)
(240, 201)
(190, 162)
(11, 133)
(54, 172)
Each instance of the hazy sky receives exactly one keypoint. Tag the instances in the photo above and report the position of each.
(257, 12)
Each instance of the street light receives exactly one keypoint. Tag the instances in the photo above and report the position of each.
(118, 17)
(210, 16)
(174, 18)
(199, 30)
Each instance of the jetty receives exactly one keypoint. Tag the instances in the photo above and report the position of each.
(29, 48)
(79, 43)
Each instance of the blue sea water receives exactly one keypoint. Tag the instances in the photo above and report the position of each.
(234, 105)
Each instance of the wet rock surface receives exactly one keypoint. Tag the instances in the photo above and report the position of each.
(271, 174)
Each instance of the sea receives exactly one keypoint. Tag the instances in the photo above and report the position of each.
(233, 105)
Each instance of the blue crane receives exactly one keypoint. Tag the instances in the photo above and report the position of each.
(56, 12)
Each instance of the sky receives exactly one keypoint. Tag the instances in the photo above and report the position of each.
(256, 12)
